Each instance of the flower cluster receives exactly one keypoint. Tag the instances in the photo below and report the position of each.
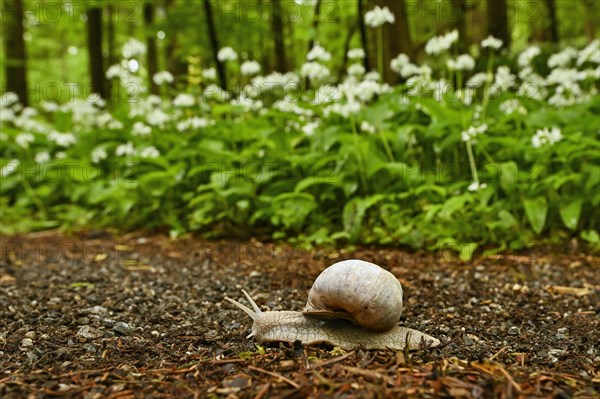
(438, 44)
(379, 16)
(546, 136)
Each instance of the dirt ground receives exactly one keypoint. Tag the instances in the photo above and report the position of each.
(143, 316)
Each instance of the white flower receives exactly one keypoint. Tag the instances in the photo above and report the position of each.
(6, 115)
(439, 44)
(7, 99)
(372, 76)
(527, 55)
(591, 53)
(42, 157)
(318, 53)
(309, 128)
(116, 71)
(209, 74)
(509, 107)
(546, 136)
(49, 106)
(314, 71)
(250, 68)
(379, 16)
(23, 139)
(563, 58)
(125, 149)
(184, 100)
(98, 154)
(9, 168)
(157, 118)
(140, 129)
(503, 80)
(62, 139)
(356, 54)
(491, 42)
(472, 132)
(399, 62)
(149, 152)
(463, 62)
(292, 107)
(227, 54)
(193, 123)
(476, 186)
(326, 94)
(133, 48)
(356, 70)
(60, 155)
(367, 127)
(477, 80)
(247, 103)
(162, 77)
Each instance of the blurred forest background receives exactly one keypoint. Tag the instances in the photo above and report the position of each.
(51, 41)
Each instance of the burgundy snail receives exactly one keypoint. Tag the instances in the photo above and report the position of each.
(351, 304)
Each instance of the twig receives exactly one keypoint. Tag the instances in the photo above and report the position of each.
(334, 360)
(263, 391)
(495, 355)
(510, 379)
(272, 374)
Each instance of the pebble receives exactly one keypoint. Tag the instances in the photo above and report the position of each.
(89, 332)
(97, 310)
(30, 335)
(122, 328)
(514, 330)
(26, 342)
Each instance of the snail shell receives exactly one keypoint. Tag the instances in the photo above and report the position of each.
(362, 292)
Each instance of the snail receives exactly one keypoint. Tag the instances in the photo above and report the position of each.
(351, 304)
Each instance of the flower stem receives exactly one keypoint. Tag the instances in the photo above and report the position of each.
(361, 167)
(380, 50)
(472, 162)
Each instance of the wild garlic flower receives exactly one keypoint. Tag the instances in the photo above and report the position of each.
(49, 106)
(162, 77)
(98, 154)
(356, 54)
(140, 129)
(397, 63)
(503, 80)
(314, 71)
(310, 128)
(133, 48)
(23, 139)
(125, 149)
(491, 42)
(477, 80)
(194, 122)
(227, 54)
(356, 70)
(150, 152)
(9, 168)
(9, 98)
(318, 53)
(209, 74)
(42, 157)
(591, 53)
(214, 92)
(379, 16)
(438, 44)
(327, 94)
(463, 62)
(367, 127)
(528, 55)
(184, 100)
(511, 106)
(563, 58)
(472, 132)
(157, 117)
(249, 68)
(546, 136)
(476, 186)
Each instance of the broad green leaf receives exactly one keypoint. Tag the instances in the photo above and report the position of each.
(536, 210)
(570, 213)
(354, 213)
(467, 250)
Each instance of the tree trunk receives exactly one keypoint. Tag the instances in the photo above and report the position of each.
(315, 25)
(14, 51)
(553, 21)
(94, 30)
(497, 14)
(364, 41)
(175, 65)
(151, 44)
(591, 23)
(460, 23)
(347, 41)
(277, 28)
(110, 39)
(396, 37)
(214, 43)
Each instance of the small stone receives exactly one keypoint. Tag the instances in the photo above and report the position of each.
(122, 328)
(485, 309)
(155, 333)
(97, 310)
(89, 332)
(90, 348)
(514, 330)
(26, 343)
(563, 330)
(30, 335)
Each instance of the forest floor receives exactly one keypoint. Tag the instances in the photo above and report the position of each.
(143, 316)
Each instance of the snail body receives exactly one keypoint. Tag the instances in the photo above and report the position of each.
(351, 304)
